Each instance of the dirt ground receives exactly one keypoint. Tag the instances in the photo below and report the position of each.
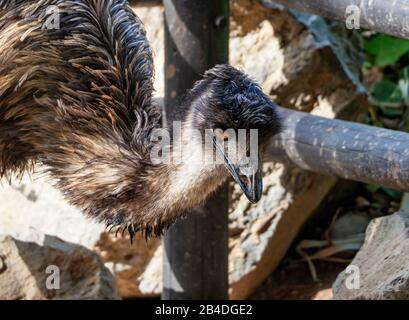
(295, 282)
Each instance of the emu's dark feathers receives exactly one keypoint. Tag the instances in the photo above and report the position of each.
(78, 100)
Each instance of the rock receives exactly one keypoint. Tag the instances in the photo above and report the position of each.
(301, 74)
(152, 17)
(34, 203)
(349, 225)
(268, 229)
(127, 262)
(150, 283)
(48, 268)
(380, 270)
(325, 294)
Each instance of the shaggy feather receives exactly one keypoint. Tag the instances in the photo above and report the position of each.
(78, 100)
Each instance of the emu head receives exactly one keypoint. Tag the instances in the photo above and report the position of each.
(240, 118)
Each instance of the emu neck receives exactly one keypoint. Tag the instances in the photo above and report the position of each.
(191, 179)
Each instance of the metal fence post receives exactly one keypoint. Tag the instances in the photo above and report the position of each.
(195, 255)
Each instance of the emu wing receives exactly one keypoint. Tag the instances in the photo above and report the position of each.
(76, 84)
(72, 71)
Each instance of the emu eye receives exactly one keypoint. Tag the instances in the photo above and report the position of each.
(220, 134)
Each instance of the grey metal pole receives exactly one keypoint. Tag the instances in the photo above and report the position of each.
(196, 248)
(345, 149)
(389, 17)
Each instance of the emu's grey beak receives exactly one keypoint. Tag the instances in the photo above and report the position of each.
(247, 172)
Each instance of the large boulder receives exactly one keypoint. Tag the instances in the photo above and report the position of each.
(380, 270)
(33, 203)
(45, 267)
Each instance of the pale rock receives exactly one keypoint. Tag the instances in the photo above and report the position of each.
(46, 268)
(34, 203)
(151, 281)
(380, 270)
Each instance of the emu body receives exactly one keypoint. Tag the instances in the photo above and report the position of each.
(78, 100)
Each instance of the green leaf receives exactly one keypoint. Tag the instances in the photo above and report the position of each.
(392, 113)
(385, 49)
(372, 187)
(393, 194)
(387, 91)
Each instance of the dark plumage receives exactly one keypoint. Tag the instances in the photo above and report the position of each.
(78, 100)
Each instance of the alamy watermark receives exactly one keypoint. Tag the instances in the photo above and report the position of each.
(53, 281)
(353, 17)
(240, 147)
(353, 277)
(52, 21)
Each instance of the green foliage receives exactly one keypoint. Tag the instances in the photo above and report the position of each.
(389, 94)
(395, 195)
(380, 197)
(386, 50)
(372, 187)
(387, 91)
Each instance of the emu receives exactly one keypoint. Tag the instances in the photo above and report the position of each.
(78, 100)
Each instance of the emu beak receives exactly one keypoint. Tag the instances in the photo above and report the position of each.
(247, 172)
